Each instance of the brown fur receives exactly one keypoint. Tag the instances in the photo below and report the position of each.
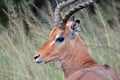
(76, 61)
(95, 73)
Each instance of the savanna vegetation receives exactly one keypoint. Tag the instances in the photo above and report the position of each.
(25, 25)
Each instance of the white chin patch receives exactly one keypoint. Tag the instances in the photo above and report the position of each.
(39, 61)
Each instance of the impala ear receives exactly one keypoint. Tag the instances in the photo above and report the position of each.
(76, 26)
(74, 29)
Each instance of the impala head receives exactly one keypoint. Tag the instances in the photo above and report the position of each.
(59, 40)
(63, 34)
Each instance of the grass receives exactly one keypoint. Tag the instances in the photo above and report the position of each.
(17, 48)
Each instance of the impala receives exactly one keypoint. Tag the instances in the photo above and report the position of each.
(65, 45)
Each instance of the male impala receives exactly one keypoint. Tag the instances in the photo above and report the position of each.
(65, 45)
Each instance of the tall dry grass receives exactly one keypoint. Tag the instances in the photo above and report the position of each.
(17, 48)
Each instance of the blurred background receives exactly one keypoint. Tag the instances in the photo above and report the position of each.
(25, 25)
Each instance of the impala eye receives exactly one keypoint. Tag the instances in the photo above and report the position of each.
(60, 39)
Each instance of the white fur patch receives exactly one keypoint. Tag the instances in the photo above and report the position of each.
(54, 40)
(39, 61)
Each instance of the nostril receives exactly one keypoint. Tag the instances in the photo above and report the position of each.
(36, 56)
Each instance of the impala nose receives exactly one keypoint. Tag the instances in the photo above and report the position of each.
(37, 56)
(37, 60)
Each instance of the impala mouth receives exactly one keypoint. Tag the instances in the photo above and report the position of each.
(39, 61)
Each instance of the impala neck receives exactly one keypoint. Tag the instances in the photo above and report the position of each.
(78, 58)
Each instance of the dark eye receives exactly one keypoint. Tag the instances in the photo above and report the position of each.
(60, 39)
